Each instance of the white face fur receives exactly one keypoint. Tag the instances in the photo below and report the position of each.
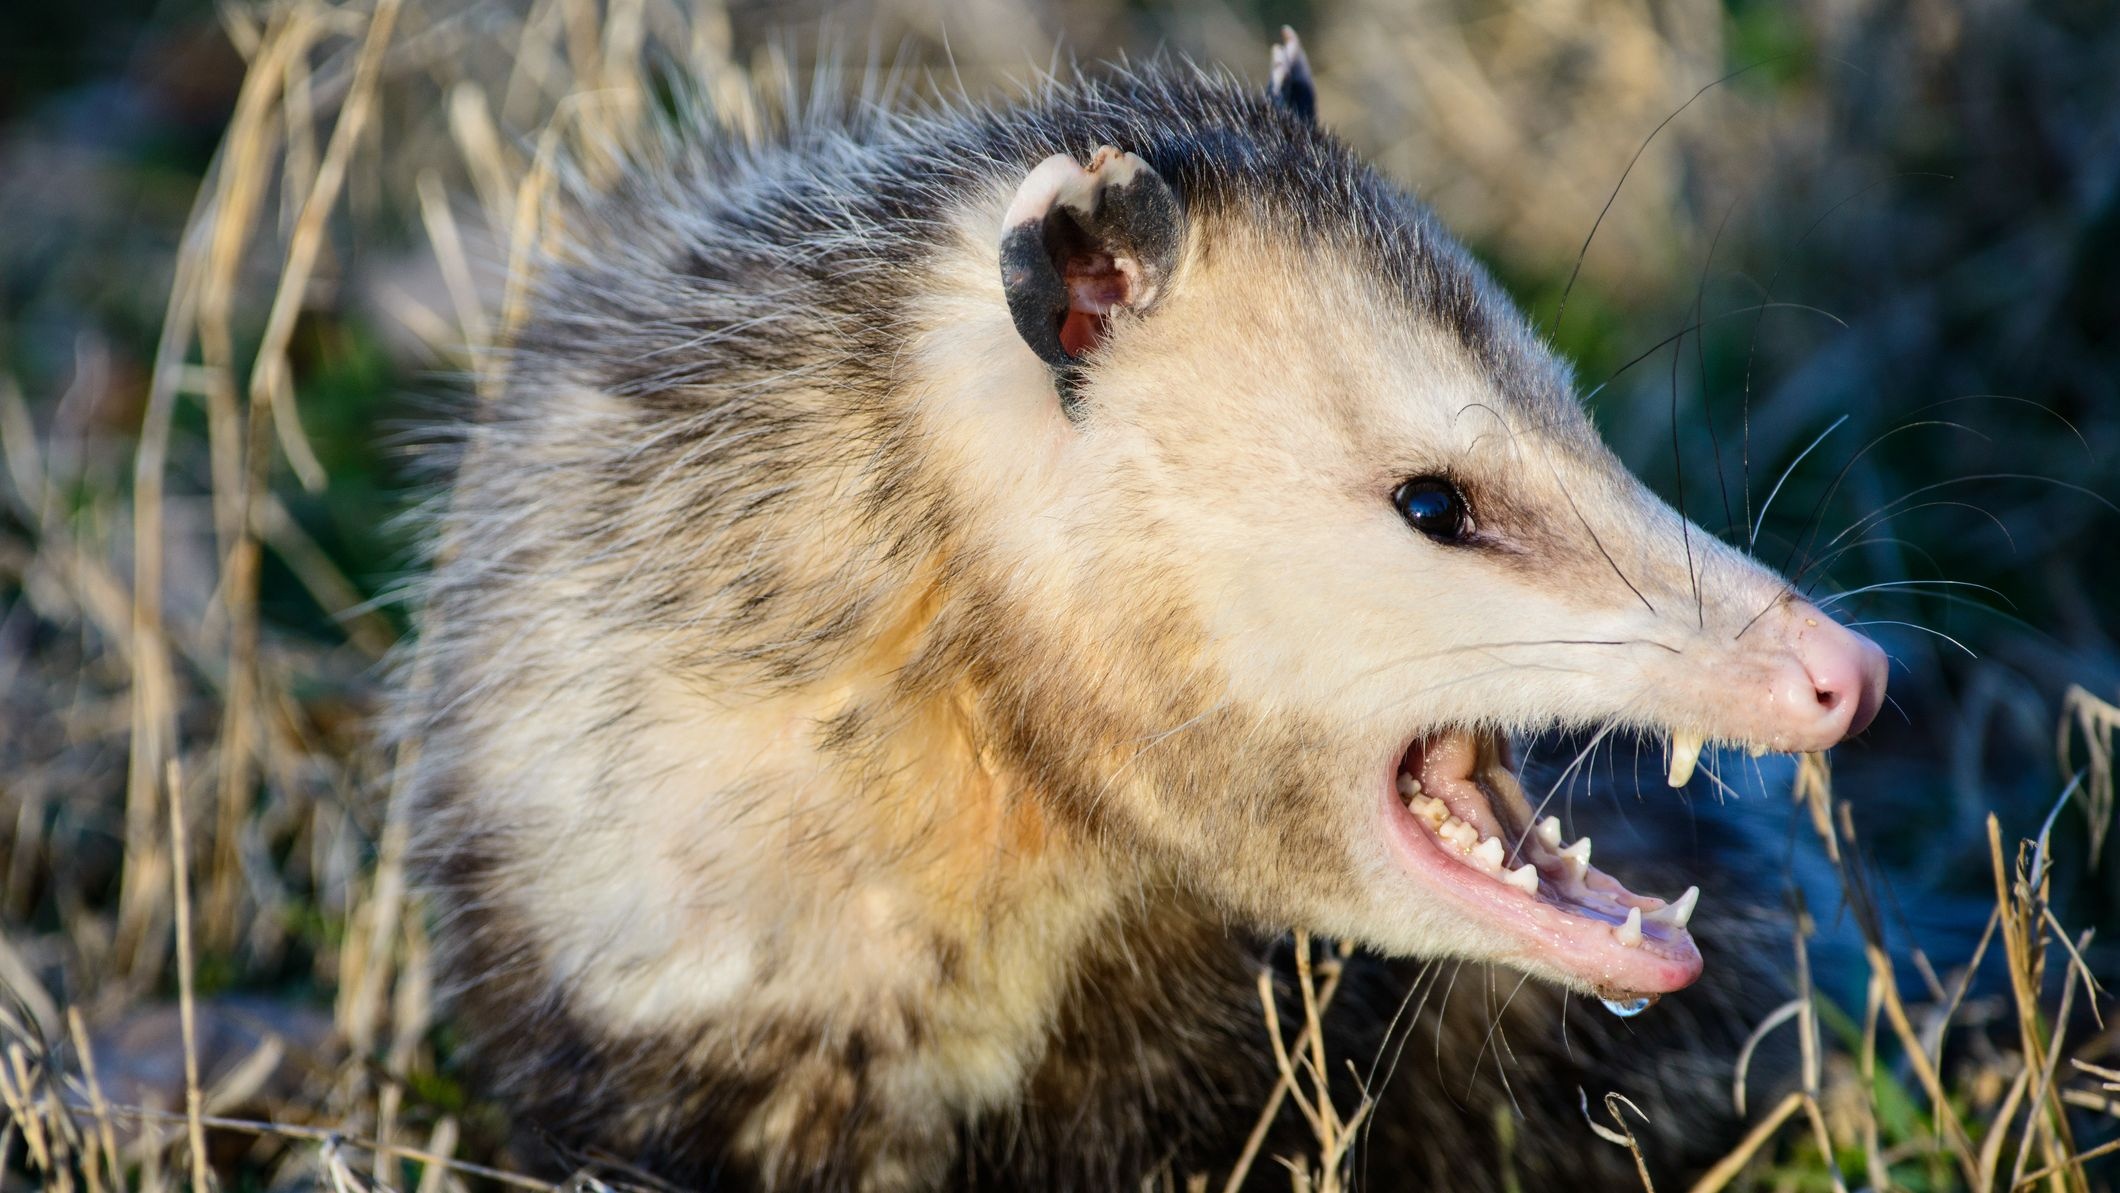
(1242, 440)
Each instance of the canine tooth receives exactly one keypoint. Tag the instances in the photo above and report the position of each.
(1523, 878)
(1677, 912)
(1549, 832)
(1630, 933)
(1489, 852)
(1757, 749)
(1685, 751)
(1682, 911)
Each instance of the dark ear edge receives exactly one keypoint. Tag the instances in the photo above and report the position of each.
(1291, 86)
(1078, 244)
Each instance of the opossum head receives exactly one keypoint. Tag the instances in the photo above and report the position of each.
(1300, 524)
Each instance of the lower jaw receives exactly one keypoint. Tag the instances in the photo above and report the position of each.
(1575, 927)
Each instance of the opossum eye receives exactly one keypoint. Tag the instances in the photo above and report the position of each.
(1433, 506)
(1079, 244)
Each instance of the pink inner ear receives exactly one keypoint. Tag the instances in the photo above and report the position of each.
(1096, 286)
(1080, 332)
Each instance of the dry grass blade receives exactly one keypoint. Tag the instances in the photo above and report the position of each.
(270, 379)
(1780, 1015)
(1814, 789)
(243, 181)
(2022, 917)
(2074, 1164)
(1306, 1065)
(339, 1140)
(1619, 1134)
(2098, 722)
(1728, 1168)
(2023, 902)
(194, 1102)
(106, 1135)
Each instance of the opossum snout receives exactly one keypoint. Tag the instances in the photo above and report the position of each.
(1834, 685)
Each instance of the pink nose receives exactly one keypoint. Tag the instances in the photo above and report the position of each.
(1841, 685)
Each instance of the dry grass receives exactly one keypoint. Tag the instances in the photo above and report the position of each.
(239, 843)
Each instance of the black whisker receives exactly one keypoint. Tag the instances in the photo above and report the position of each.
(1599, 543)
(1690, 328)
(1818, 511)
(1824, 563)
(1900, 585)
(1753, 542)
(1443, 1012)
(1537, 813)
(1494, 1025)
(1784, 595)
(1678, 486)
(2093, 494)
(1717, 779)
(1700, 353)
(1898, 708)
(1886, 513)
(1969, 653)
(1584, 252)
(2041, 407)
(1425, 978)
(1766, 295)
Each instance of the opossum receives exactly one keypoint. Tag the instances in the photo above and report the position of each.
(938, 593)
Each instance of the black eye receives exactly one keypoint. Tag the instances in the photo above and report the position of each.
(1434, 507)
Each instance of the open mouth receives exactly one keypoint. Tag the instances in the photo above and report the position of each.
(1459, 820)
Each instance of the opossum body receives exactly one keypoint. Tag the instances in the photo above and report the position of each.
(938, 592)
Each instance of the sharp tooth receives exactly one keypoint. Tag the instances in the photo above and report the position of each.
(1489, 852)
(1523, 878)
(1408, 785)
(1685, 751)
(1757, 749)
(1630, 933)
(1682, 911)
(1549, 832)
(1576, 861)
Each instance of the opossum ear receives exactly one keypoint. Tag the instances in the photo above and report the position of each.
(1078, 244)
(1291, 86)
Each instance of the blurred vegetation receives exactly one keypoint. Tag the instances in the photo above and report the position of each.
(1889, 228)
